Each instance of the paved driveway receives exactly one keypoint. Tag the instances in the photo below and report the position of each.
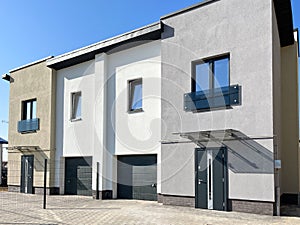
(27, 209)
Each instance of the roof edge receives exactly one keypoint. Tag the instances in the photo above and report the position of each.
(30, 64)
(189, 8)
(105, 43)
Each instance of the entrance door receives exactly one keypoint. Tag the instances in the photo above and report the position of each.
(27, 174)
(211, 178)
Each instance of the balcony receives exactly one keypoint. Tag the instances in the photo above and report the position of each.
(207, 100)
(28, 126)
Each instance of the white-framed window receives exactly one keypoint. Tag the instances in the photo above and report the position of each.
(76, 105)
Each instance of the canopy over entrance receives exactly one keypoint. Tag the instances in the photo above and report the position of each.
(2, 141)
(214, 135)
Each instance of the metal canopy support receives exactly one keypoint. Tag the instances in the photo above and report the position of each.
(24, 148)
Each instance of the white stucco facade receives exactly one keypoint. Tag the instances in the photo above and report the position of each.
(72, 138)
(137, 133)
(106, 128)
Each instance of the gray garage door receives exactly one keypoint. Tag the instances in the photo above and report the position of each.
(78, 176)
(137, 177)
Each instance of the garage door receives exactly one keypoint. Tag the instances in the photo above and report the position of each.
(78, 176)
(137, 177)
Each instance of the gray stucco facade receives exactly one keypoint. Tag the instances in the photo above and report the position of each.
(248, 33)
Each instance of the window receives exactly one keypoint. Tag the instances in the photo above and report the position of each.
(135, 95)
(211, 89)
(76, 106)
(29, 109)
(210, 74)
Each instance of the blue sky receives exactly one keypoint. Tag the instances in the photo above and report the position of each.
(34, 29)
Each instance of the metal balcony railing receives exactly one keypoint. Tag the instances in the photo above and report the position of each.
(223, 97)
(27, 126)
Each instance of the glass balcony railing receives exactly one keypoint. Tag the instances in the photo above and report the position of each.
(223, 97)
(27, 126)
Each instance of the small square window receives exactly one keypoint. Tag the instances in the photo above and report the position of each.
(76, 106)
(135, 96)
(29, 109)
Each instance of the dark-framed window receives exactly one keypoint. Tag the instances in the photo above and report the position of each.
(76, 105)
(211, 73)
(135, 97)
(29, 109)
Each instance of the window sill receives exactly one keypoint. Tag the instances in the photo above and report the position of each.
(28, 132)
(135, 111)
(75, 120)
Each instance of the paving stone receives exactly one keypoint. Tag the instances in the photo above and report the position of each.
(16, 208)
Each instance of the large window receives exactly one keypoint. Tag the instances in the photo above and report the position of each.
(211, 89)
(210, 74)
(135, 95)
(76, 106)
(29, 109)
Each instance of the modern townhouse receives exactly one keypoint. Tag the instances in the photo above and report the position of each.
(199, 109)
(230, 87)
(108, 95)
(32, 128)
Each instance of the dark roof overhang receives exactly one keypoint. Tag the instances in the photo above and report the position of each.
(284, 15)
(122, 42)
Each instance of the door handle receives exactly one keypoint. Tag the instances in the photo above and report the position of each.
(201, 181)
(153, 185)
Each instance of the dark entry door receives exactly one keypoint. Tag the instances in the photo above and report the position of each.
(78, 176)
(211, 178)
(137, 177)
(27, 174)
(201, 179)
